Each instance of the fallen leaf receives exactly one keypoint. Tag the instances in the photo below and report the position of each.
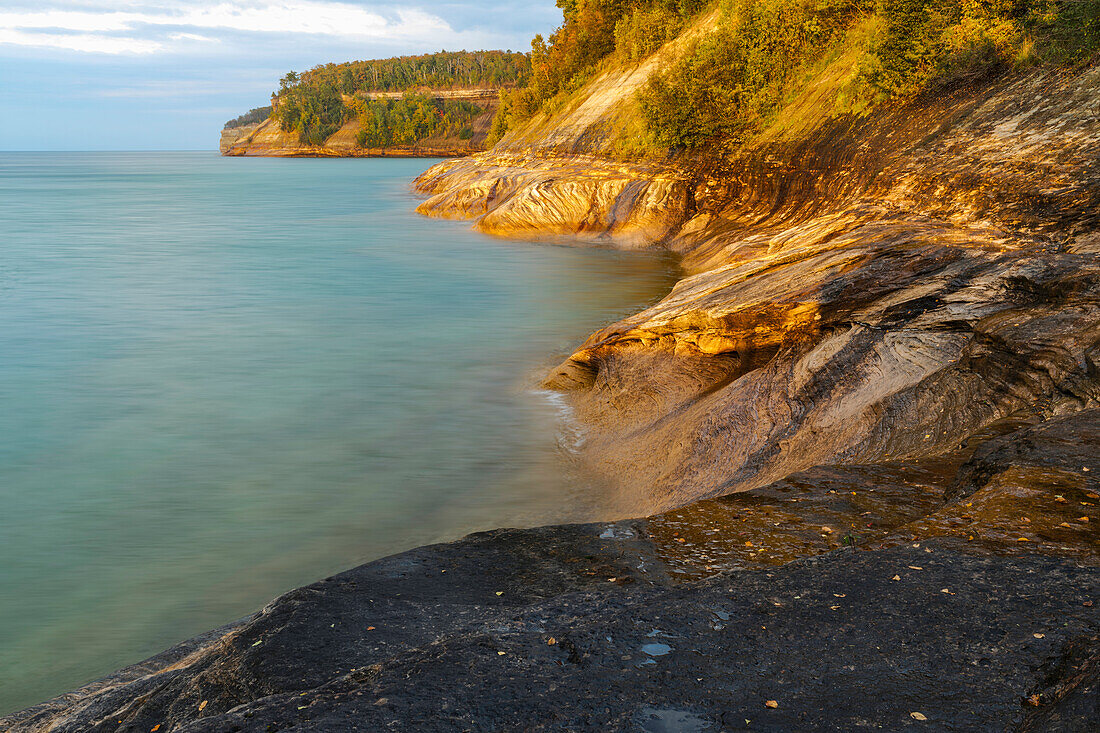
(748, 544)
(551, 641)
(827, 530)
(500, 592)
(500, 654)
(915, 567)
(1092, 495)
(370, 628)
(1034, 700)
(1082, 519)
(840, 595)
(917, 716)
(834, 607)
(896, 577)
(155, 728)
(203, 704)
(772, 704)
(1060, 499)
(945, 590)
(1022, 539)
(1038, 636)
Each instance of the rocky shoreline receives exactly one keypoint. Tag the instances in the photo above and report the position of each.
(864, 430)
(678, 622)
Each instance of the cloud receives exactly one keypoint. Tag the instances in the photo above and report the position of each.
(83, 42)
(192, 37)
(148, 28)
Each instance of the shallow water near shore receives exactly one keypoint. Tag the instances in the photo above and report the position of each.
(224, 378)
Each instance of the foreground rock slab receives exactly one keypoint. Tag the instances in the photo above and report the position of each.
(579, 627)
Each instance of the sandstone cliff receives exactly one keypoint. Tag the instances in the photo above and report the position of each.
(874, 289)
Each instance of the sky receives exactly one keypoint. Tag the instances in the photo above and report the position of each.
(163, 75)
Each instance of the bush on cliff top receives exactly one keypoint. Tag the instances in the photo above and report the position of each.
(734, 78)
(250, 117)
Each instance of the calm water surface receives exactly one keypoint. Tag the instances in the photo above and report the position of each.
(224, 378)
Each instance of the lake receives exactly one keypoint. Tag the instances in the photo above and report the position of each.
(222, 378)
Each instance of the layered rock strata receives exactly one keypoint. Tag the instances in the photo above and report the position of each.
(884, 289)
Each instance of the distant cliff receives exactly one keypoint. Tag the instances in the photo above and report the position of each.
(430, 105)
(267, 138)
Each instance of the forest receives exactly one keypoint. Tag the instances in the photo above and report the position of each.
(730, 81)
(312, 103)
(388, 122)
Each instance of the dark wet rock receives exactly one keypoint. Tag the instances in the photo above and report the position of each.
(835, 640)
(1068, 698)
(1065, 449)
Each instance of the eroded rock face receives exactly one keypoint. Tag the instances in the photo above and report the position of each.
(582, 197)
(882, 290)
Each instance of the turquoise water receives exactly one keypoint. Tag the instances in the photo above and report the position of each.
(224, 378)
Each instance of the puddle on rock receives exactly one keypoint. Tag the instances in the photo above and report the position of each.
(665, 720)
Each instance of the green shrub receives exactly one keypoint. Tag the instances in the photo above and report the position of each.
(938, 41)
(644, 30)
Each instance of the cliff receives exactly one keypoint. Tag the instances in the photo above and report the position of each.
(876, 288)
(864, 430)
(268, 139)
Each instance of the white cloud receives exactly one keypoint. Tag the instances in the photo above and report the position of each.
(84, 42)
(177, 89)
(143, 28)
(192, 37)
